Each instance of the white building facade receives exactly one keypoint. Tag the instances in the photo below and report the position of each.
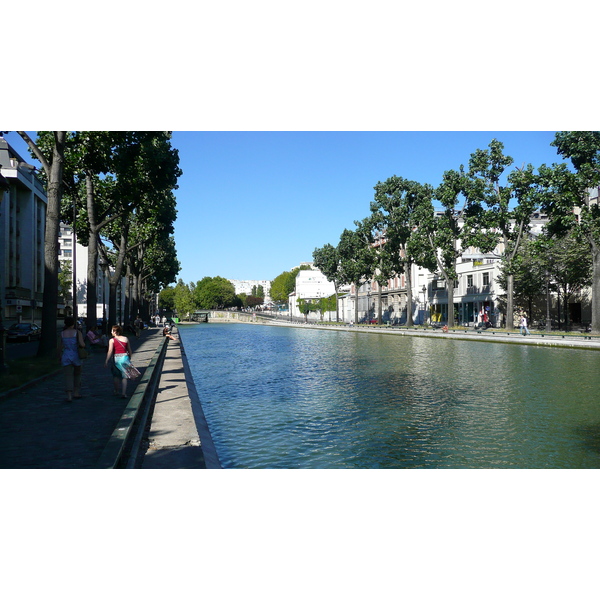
(23, 205)
(245, 286)
(77, 256)
(311, 285)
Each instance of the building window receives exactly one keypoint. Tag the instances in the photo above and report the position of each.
(486, 279)
(67, 252)
(469, 280)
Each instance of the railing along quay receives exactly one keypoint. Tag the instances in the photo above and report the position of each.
(122, 449)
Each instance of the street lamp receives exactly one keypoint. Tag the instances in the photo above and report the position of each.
(424, 290)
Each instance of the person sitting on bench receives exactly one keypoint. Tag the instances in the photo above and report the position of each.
(95, 339)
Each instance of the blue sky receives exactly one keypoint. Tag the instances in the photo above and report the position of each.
(254, 204)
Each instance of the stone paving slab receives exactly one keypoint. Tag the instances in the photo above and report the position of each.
(40, 430)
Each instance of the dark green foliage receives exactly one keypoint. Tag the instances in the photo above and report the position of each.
(214, 292)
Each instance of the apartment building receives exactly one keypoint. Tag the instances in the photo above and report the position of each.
(311, 285)
(476, 294)
(73, 257)
(245, 286)
(23, 205)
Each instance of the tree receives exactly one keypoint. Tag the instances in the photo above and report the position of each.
(166, 299)
(53, 164)
(568, 263)
(568, 194)
(441, 232)
(497, 216)
(328, 304)
(327, 260)
(183, 300)
(395, 213)
(144, 202)
(214, 292)
(253, 301)
(284, 284)
(529, 270)
(356, 256)
(65, 281)
(306, 306)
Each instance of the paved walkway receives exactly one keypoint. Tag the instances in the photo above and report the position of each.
(39, 429)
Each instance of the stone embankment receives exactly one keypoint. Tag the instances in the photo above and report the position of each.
(556, 339)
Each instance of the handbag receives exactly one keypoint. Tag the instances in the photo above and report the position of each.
(82, 352)
(131, 372)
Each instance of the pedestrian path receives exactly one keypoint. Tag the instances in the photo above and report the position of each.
(39, 429)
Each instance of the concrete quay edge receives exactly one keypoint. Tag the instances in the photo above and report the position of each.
(178, 436)
(496, 336)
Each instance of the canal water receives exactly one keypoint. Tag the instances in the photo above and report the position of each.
(285, 397)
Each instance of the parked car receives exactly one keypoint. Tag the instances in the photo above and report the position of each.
(23, 331)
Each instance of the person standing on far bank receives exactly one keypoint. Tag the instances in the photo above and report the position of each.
(71, 340)
(119, 347)
(524, 330)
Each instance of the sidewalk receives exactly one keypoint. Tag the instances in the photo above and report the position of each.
(40, 430)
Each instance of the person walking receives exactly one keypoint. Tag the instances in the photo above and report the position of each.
(120, 349)
(71, 341)
(523, 326)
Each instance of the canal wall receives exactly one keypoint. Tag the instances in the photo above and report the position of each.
(557, 340)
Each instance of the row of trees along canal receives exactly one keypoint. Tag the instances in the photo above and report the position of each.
(487, 207)
(116, 189)
(218, 292)
(208, 293)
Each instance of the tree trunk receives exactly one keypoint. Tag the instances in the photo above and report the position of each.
(409, 315)
(92, 271)
(92, 281)
(450, 285)
(112, 303)
(566, 297)
(548, 317)
(595, 288)
(114, 280)
(510, 285)
(48, 338)
(379, 317)
(337, 306)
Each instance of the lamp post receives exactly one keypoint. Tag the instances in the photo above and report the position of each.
(424, 290)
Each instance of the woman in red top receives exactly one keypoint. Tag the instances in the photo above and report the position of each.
(120, 348)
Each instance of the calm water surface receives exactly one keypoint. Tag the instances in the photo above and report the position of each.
(279, 397)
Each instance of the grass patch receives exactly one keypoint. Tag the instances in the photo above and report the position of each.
(23, 370)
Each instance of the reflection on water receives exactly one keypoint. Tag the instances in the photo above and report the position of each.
(277, 397)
